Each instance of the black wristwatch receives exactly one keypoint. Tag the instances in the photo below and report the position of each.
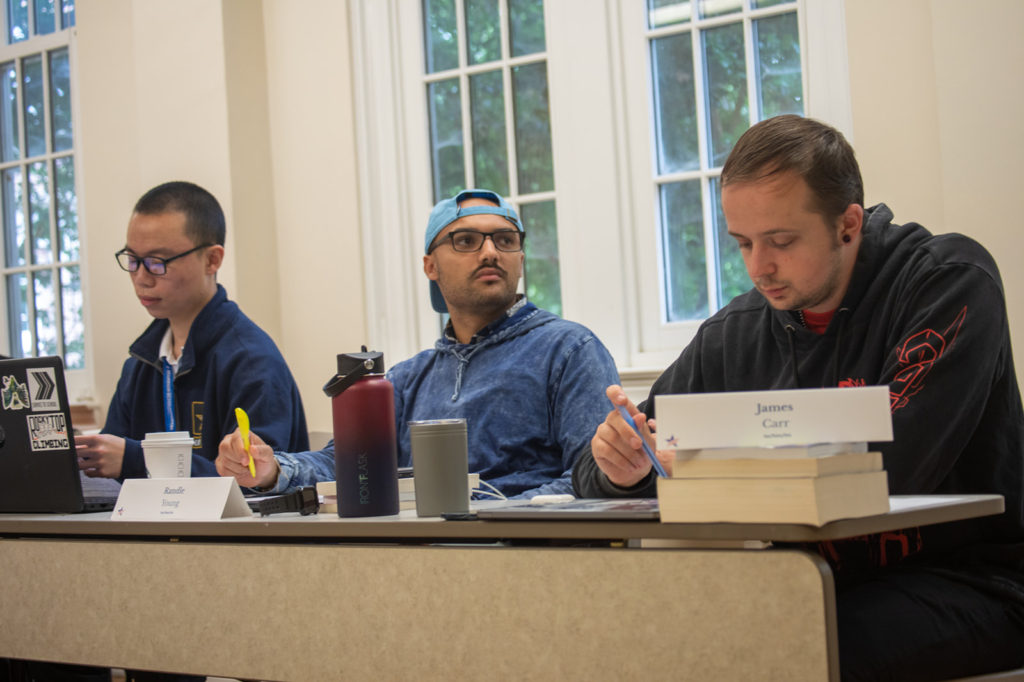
(304, 500)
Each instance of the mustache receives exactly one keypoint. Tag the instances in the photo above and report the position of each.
(489, 266)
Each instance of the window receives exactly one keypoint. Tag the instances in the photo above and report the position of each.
(644, 99)
(41, 270)
(713, 68)
(486, 87)
(717, 67)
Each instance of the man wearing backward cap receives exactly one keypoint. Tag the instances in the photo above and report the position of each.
(530, 384)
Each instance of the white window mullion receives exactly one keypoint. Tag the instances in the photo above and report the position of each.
(704, 149)
(707, 199)
(49, 164)
(31, 20)
(506, 89)
(805, 48)
(753, 87)
(504, 30)
(700, 96)
(30, 298)
(510, 134)
(469, 173)
(29, 272)
(710, 241)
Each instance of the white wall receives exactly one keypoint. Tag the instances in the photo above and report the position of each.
(316, 192)
(937, 106)
(148, 111)
(253, 100)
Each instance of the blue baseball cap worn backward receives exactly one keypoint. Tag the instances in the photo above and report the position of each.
(448, 211)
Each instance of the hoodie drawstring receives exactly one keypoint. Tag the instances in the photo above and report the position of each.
(463, 364)
(458, 375)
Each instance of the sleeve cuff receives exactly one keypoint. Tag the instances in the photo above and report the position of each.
(286, 467)
(644, 488)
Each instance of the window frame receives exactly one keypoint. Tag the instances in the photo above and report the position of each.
(79, 381)
(826, 93)
(602, 139)
(505, 64)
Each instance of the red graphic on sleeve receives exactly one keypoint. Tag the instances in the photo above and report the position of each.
(916, 357)
(849, 383)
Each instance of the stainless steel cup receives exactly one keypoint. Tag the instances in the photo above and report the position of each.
(440, 466)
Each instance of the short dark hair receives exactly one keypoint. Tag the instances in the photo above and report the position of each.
(204, 219)
(815, 151)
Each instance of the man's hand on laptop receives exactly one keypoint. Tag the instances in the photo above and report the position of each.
(617, 448)
(100, 454)
(233, 460)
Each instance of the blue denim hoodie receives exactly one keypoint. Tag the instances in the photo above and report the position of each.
(530, 385)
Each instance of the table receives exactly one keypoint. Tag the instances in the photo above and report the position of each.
(310, 598)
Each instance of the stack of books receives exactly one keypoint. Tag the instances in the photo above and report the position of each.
(805, 484)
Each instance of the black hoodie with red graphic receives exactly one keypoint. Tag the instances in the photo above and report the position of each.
(924, 314)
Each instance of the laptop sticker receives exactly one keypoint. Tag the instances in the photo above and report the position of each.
(48, 432)
(14, 394)
(43, 386)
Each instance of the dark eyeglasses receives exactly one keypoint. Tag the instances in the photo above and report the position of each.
(155, 265)
(467, 241)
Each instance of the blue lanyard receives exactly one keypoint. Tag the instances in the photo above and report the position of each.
(169, 421)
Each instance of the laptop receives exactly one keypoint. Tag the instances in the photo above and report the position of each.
(38, 463)
(583, 509)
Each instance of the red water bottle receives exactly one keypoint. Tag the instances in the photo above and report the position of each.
(365, 451)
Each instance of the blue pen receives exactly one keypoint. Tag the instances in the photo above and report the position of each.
(647, 448)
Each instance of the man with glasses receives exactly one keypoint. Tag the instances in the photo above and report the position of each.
(201, 357)
(529, 384)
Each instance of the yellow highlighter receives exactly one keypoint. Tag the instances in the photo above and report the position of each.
(243, 426)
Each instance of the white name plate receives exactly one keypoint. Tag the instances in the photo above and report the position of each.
(773, 418)
(180, 499)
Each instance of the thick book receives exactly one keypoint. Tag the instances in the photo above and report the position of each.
(813, 501)
(770, 467)
(779, 452)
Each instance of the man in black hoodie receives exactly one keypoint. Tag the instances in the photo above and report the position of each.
(845, 297)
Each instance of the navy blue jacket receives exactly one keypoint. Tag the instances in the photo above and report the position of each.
(227, 362)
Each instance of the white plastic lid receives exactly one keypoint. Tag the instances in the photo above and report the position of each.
(167, 437)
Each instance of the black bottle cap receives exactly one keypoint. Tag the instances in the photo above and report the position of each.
(352, 366)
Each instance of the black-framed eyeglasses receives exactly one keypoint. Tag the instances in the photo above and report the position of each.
(155, 265)
(467, 241)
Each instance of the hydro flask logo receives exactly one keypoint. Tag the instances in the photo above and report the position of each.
(364, 479)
